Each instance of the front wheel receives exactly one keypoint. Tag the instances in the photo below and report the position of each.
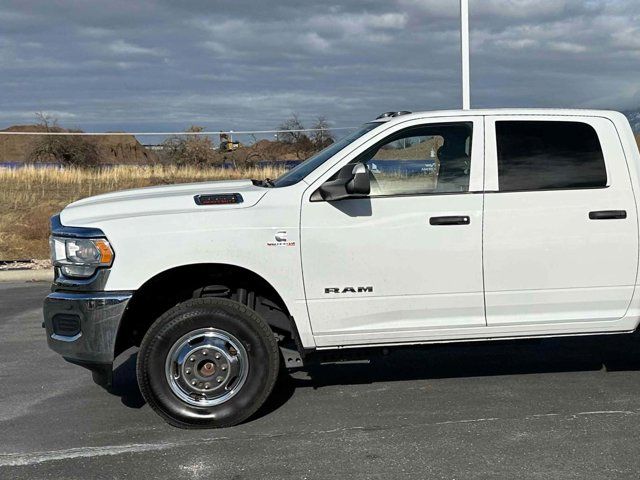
(207, 363)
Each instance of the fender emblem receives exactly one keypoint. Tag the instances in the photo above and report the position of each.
(281, 240)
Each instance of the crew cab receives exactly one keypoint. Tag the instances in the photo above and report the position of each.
(527, 226)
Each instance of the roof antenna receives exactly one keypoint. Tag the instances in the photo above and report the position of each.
(464, 49)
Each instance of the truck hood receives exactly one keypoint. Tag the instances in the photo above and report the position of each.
(161, 200)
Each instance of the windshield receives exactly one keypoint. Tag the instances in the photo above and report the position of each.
(305, 168)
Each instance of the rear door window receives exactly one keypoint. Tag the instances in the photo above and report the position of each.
(549, 155)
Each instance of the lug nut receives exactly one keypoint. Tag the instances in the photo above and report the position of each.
(217, 356)
(219, 379)
(206, 386)
(194, 383)
(192, 359)
(204, 352)
(223, 367)
(187, 371)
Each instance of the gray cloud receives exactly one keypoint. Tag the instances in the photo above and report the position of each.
(249, 64)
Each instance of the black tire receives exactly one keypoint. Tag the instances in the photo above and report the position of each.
(227, 316)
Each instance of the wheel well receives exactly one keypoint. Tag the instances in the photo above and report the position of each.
(176, 285)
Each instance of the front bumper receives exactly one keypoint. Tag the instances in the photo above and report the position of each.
(97, 316)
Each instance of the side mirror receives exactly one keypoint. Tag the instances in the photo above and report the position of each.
(352, 182)
(360, 184)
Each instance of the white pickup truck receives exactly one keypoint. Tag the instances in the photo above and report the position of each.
(526, 227)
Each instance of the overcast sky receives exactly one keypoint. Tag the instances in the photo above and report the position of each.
(146, 65)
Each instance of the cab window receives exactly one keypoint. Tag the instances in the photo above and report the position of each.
(549, 155)
(434, 158)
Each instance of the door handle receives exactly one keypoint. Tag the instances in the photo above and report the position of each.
(454, 220)
(608, 215)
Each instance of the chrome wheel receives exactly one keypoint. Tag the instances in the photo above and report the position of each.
(206, 367)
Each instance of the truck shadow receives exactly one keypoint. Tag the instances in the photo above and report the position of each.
(521, 357)
(125, 383)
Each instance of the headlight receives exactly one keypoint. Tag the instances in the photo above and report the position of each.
(80, 257)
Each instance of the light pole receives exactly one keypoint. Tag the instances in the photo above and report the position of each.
(464, 49)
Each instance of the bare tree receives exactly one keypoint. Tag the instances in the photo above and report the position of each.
(49, 123)
(68, 150)
(322, 136)
(290, 134)
(190, 149)
(290, 130)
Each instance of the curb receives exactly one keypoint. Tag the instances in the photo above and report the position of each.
(26, 275)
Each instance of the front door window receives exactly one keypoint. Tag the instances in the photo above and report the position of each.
(421, 160)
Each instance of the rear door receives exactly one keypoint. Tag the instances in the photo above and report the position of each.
(560, 223)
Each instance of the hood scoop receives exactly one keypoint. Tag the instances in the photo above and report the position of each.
(204, 197)
(218, 199)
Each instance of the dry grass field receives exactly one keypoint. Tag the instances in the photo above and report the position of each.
(29, 196)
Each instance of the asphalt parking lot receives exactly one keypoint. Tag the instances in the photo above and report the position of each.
(545, 410)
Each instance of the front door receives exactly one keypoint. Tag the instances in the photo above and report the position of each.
(407, 261)
(560, 231)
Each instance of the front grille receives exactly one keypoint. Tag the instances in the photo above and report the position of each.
(66, 325)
